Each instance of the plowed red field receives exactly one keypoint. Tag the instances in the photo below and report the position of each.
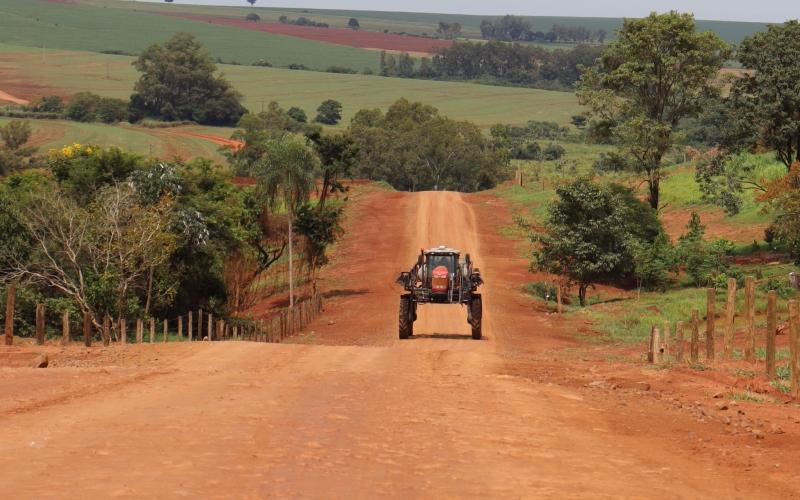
(337, 36)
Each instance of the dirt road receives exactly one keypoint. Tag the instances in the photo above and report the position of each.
(10, 98)
(425, 418)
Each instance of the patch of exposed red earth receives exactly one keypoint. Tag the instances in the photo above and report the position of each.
(336, 36)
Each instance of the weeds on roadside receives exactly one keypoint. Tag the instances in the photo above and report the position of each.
(738, 372)
(781, 386)
(699, 366)
(745, 396)
(783, 372)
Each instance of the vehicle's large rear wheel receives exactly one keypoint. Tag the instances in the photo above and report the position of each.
(476, 307)
(406, 327)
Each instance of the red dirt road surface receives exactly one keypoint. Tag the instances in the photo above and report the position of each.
(10, 98)
(436, 416)
(337, 36)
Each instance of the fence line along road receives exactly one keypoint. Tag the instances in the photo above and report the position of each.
(276, 328)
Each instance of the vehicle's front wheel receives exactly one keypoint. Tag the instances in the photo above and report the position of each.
(406, 327)
(476, 307)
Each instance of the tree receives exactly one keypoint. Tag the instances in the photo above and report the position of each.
(83, 107)
(413, 148)
(83, 171)
(252, 17)
(353, 23)
(297, 114)
(588, 235)
(601, 35)
(579, 120)
(782, 198)
(178, 83)
(15, 134)
(111, 110)
(764, 107)
(13, 155)
(251, 2)
(48, 104)
(657, 73)
(329, 112)
(94, 255)
(285, 175)
(337, 154)
(449, 30)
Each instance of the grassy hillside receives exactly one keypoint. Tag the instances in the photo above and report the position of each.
(67, 72)
(164, 143)
(94, 28)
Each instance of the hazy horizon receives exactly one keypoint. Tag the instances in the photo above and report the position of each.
(710, 10)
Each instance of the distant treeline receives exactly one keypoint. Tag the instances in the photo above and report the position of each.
(513, 28)
(302, 21)
(497, 63)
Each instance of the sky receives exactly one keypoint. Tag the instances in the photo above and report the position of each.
(769, 11)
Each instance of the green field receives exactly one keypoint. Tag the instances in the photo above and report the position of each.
(163, 143)
(67, 72)
(418, 22)
(94, 29)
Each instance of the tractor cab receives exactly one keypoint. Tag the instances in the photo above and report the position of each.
(439, 266)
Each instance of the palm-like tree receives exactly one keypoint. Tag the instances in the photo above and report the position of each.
(285, 174)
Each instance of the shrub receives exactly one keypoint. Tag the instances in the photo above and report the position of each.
(553, 152)
(297, 66)
(297, 114)
(541, 290)
(262, 62)
(83, 107)
(252, 17)
(341, 69)
(117, 52)
(112, 110)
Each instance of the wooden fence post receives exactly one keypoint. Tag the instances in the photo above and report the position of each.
(123, 333)
(166, 330)
(655, 345)
(711, 312)
(235, 333)
(679, 341)
(180, 328)
(190, 326)
(87, 330)
(730, 315)
(210, 327)
(695, 335)
(106, 330)
(39, 324)
(152, 330)
(200, 325)
(10, 300)
(558, 298)
(667, 339)
(772, 330)
(749, 319)
(65, 327)
(139, 331)
(794, 347)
